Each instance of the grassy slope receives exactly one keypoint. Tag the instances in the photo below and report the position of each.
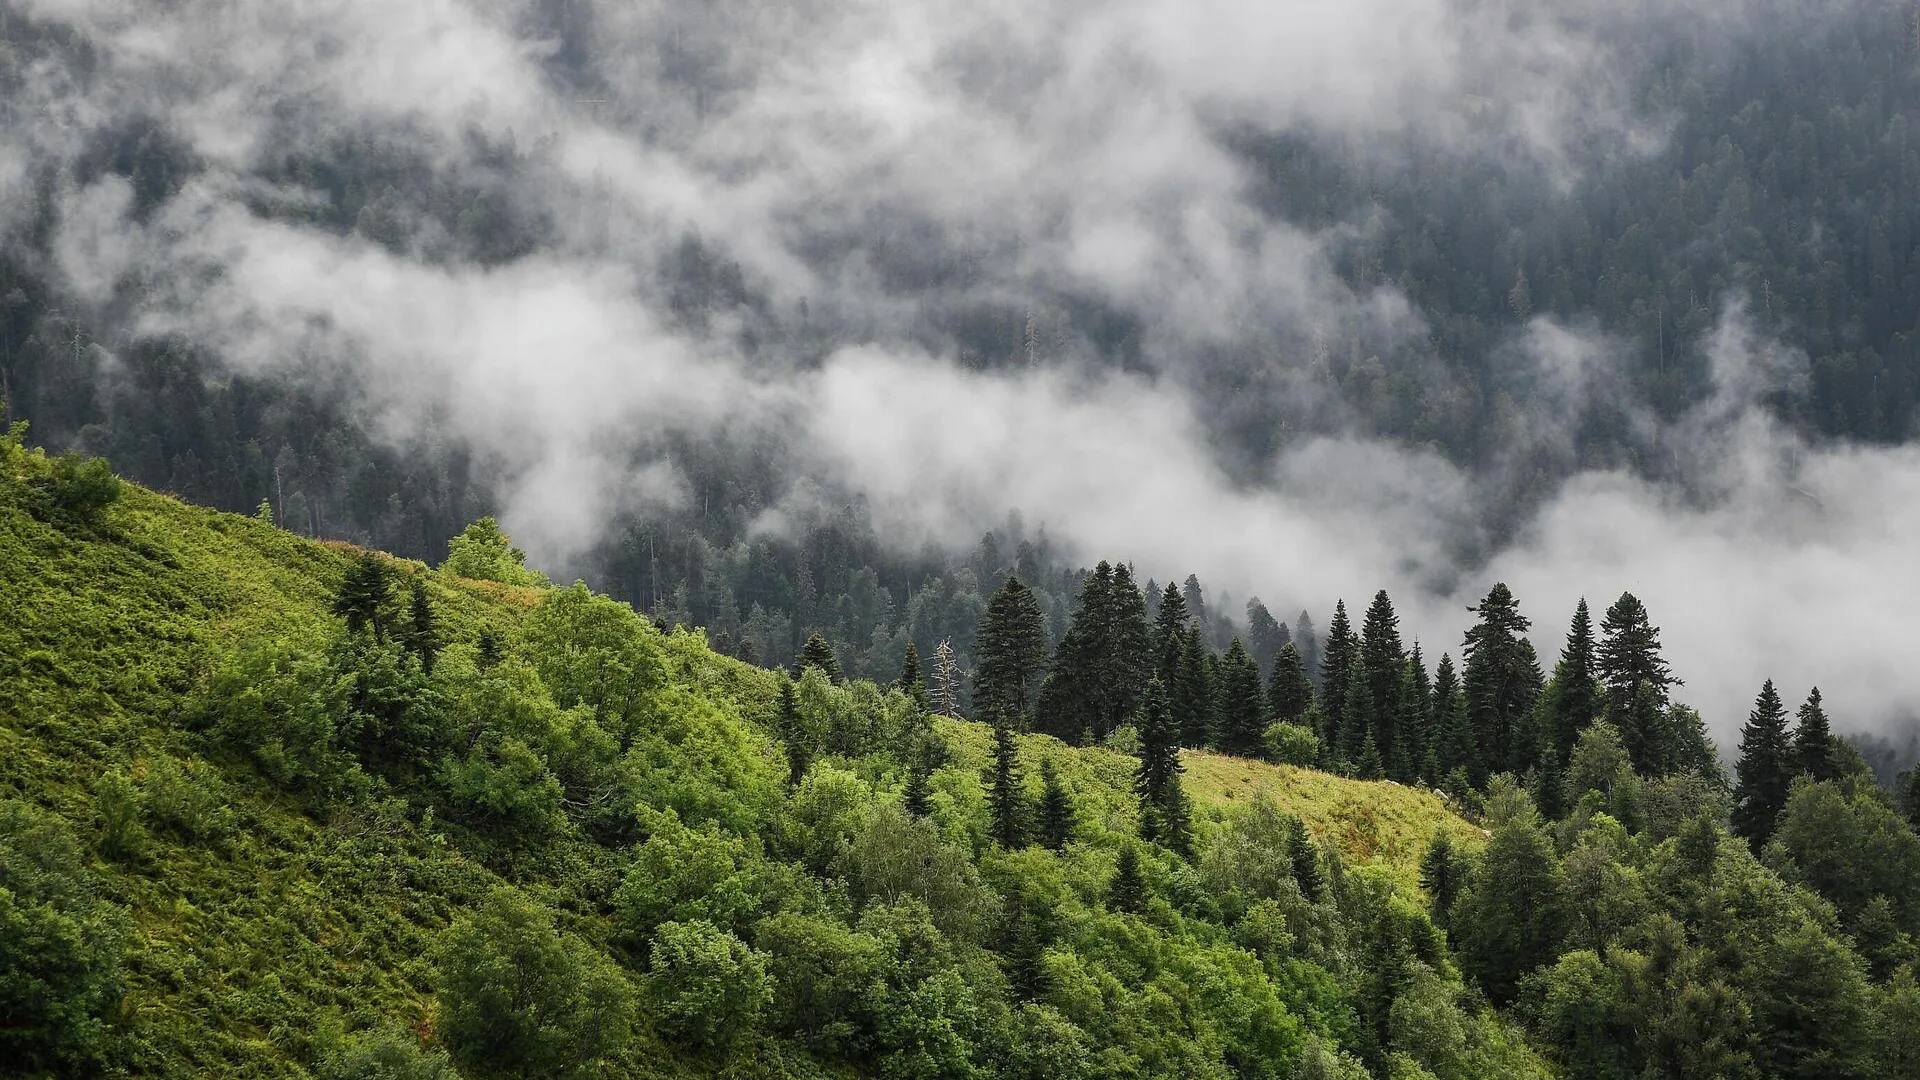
(241, 943)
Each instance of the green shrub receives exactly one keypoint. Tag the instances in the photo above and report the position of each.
(1291, 744)
(706, 986)
(188, 798)
(483, 552)
(117, 804)
(382, 1054)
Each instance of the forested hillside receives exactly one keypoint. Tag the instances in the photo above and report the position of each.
(272, 807)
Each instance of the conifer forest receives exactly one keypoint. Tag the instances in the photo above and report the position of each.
(1063, 540)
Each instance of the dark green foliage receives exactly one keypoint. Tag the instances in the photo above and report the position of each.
(1242, 706)
(1765, 769)
(60, 947)
(1508, 920)
(1356, 727)
(1191, 695)
(1366, 764)
(1454, 744)
(1385, 661)
(1413, 732)
(1056, 808)
(1574, 689)
(1169, 633)
(1011, 647)
(1337, 657)
(519, 997)
(1266, 636)
(1442, 872)
(917, 798)
(1629, 652)
(382, 1054)
(364, 595)
(488, 651)
(1303, 859)
(795, 739)
(816, 653)
(1006, 789)
(1128, 890)
(910, 681)
(1290, 691)
(421, 635)
(1813, 740)
(1102, 662)
(1501, 681)
(704, 985)
(79, 489)
(1847, 844)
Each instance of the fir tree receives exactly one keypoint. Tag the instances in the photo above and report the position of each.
(1011, 646)
(1385, 662)
(1813, 740)
(1006, 795)
(1159, 746)
(1290, 692)
(423, 627)
(1413, 734)
(1191, 695)
(1266, 636)
(1169, 635)
(1441, 875)
(1575, 688)
(1128, 656)
(1355, 732)
(1629, 652)
(816, 653)
(1307, 643)
(1056, 808)
(1501, 681)
(910, 682)
(1196, 599)
(1336, 662)
(793, 734)
(1910, 796)
(1549, 785)
(1242, 705)
(487, 650)
(1639, 716)
(1303, 857)
(1128, 891)
(917, 799)
(364, 595)
(1765, 769)
(1456, 746)
(1368, 766)
(1102, 661)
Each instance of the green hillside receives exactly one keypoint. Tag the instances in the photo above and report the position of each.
(286, 848)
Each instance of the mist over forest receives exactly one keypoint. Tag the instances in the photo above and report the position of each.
(761, 316)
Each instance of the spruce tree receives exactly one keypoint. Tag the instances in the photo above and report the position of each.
(793, 735)
(364, 595)
(1290, 692)
(1266, 636)
(1640, 720)
(817, 653)
(917, 799)
(487, 650)
(423, 626)
(1056, 808)
(1128, 891)
(1128, 656)
(1336, 663)
(1303, 857)
(1629, 652)
(1006, 795)
(1011, 648)
(1242, 705)
(1191, 695)
(1910, 796)
(1368, 766)
(1456, 747)
(1413, 733)
(1307, 644)
(1159, 746)
(1441, 875)
(1169, 635)
(1575, 687)
(1501, 682)
(1765, 769)
(1385, 661)
(1813, 740)
(910, 681)
(1196, 599)
(1355, 732)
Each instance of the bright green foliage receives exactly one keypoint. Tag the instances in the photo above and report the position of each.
(484, 553)
(1291, 744)
(704, 985)
(1847, 844)
(595, 652)
(60, 946)
(383, 1054)
(519, 997)
(1765, 768)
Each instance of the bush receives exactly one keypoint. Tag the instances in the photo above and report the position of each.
(1291, 744)
(707, 987)
(518, 998)
(484, 553)
(382, 1054)
(117, 804)
(187, 798)
(60, 946)
(82, 488)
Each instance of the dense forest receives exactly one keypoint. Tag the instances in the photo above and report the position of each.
(281, 808)
(1778, 183)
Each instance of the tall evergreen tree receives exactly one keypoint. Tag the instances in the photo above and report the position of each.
(1006, 790)
(816, 653)
(1290, 693)
(1640, 718)
(488, 651)
(1303, 857)
(1575, 688)
(1266, 636)
(364, 594)
(1308, 645)
(1412, 731)
(1629, 652)
(1192, 692)
(1128, 890)
(1056, 808)
(793, 734)
(1455, 746)
(1501, 681)
(1442, 872)
(1196, 599)
(1765, 770)
(1162, 803)
(1169, 634)
(1385, 660)
(1813, 740)
(1129, 652)
(423, 626)
(917, 800)
(1011, 650)
(1242, 706)
(910, 682)
(1355, 732)
(1336, 665)
(1102, 661)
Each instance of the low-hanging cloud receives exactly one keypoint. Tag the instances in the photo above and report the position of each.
(848, 157)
